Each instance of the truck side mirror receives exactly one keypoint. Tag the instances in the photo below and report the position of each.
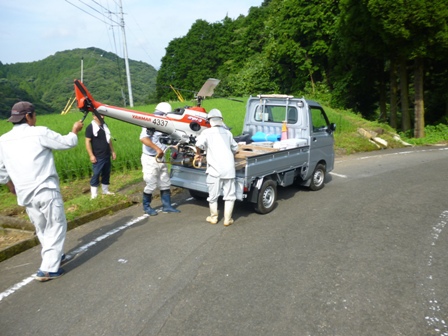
(332, 127)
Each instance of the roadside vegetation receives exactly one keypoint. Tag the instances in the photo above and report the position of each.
(74, 167)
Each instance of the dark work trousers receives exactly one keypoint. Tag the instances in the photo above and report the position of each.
(101, 169)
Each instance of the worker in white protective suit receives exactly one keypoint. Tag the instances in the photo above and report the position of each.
(27, 167)
(155, 172)
(220, 148)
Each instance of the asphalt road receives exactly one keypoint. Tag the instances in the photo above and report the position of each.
(366, 255)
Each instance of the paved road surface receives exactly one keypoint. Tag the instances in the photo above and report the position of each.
(367, 255)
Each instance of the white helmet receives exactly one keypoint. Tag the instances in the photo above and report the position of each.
(214, 113)
(214, 117)
(164, 107)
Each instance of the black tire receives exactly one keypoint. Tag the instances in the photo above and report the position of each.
(198, 195)
(267, 197)
(318, 178)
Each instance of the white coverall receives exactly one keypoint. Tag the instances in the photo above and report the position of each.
(155, 174)
(220, 146)
(26, 159)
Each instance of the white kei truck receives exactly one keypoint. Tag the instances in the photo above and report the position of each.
(303, 159)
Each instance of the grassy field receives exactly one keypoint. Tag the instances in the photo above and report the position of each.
(75, 164)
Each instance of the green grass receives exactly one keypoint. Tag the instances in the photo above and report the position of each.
(434, 134)
(76, 195)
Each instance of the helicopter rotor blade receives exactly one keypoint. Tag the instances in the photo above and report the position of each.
(208, 88)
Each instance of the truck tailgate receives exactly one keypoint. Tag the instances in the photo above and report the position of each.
(188, 178)
(196, 179)
(275, 162)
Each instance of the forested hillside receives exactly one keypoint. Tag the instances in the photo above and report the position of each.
(387, 60)
(49, 83)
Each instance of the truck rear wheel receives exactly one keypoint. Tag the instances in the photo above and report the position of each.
(267, 197)
(318, 178)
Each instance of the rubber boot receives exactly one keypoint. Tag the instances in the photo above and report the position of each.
(105, 188)
(213, 218)
(165, 195)
(93, 192)
(228, 209)
(147, 198)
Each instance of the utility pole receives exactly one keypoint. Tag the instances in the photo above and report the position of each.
(82, 69)
(128, 74)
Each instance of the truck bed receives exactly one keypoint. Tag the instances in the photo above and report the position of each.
(257, 161)
(251, 163)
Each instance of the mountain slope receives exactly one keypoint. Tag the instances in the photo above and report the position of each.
(49, 83)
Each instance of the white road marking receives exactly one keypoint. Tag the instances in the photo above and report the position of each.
(383, 155)
(8, 268)
(435, 317)
(338, 175)
(392, 154)
(83, 248)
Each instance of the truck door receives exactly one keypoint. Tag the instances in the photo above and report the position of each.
(321, 141)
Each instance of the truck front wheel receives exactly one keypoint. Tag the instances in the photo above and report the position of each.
(318, 178)
(267, 197)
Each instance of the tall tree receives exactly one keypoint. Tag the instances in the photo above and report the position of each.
(240, 72)
(191, 60)
(359, 58)
(404, 94)
(415, 28)
(393, 122)
(300, 34)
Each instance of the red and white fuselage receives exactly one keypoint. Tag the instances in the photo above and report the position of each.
(179, 125)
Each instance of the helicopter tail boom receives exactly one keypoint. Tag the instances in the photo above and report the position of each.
(86, 103)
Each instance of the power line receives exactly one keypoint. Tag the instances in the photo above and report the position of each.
(107, 14)
(144, 37)
(86, 12)
(105, 9)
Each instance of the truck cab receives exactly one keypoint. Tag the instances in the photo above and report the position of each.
(307, 126)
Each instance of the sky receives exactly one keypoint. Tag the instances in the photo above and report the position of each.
(32, 30)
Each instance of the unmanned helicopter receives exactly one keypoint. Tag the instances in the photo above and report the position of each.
(180, 127)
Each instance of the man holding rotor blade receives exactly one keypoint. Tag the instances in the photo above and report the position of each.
(27, 167)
